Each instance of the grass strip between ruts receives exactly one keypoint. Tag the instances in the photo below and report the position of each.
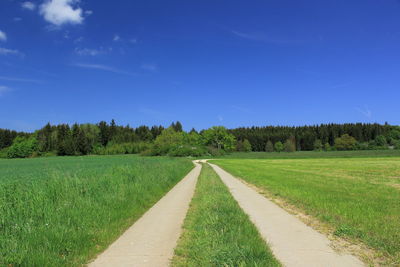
(217, 232)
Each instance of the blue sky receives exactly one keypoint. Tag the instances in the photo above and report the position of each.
(232, 63)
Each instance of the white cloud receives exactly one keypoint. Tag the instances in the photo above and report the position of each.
(149, 67)
(103, 67)
(259, 36)
(116, 38)
(3, 36)
(365, 111)
(5, 51)
(89, 52)
(59, 12)
(28, 5)
(88, 12)
(3, 89)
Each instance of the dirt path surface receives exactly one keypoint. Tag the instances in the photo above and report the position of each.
(152, 239)
(292, 242)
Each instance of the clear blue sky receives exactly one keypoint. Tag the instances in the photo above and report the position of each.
(232, 63)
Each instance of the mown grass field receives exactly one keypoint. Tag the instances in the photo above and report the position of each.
(312, 154)
(217, 232)
(359, 197)
(63, 211)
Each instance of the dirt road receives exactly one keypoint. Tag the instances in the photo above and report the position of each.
(292, 242)
(152, 239)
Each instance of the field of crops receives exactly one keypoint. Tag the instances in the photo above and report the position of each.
(63, 211)
(359, 197)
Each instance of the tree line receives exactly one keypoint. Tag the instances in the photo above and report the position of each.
(109, 138)
(366, 136)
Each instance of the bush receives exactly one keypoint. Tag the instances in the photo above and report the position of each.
(289, 146)
(22, 147)
(187, 151)
(396, 144)
(345, 142)
(318, 145)
(278, 146)
(215, 152)
(3, 152)
(327, 147)
(243, 146)
(381, 141)
(124, 148)
(269, 147)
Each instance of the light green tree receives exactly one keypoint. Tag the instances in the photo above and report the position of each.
(220, 138)
(278, 146)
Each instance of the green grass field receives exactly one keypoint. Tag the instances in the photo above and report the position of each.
(217, 232)
(313, 154)
(359, 197)
(63, 211)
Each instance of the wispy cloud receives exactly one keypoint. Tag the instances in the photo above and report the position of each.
(3, 89)
(5, 51)
(89, 51)
(365, 111)
(103, 68)
(28, 5)
(262, 37)
(15, 79)
(116, 38)
(59, 12)
(3, 36)
(149, 66)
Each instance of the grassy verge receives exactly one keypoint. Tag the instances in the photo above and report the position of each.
(65, 210)
(217, 232)
(312, 154)
(360, 198)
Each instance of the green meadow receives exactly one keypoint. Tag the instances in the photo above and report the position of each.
(63, 211)
(358, 197)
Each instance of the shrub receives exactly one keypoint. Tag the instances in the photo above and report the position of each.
(289, 146)
(243, 146)
(327, 147)
(345, 142)
(3, 152)
(278, 146)
(187, 151)
(381, 141)
(22, 147)
(396, 144)
(318, 145)
(213, 151)
(269, 147)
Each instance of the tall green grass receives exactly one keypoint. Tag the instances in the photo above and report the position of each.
(217, 232)
(359, 197)
(62, 212)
